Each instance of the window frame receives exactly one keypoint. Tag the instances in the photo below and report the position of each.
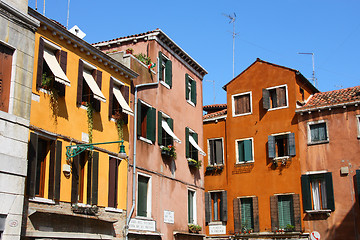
(189, 80)
(358, 125)
(9, 98)
(163, 69)
(222, 195)
(164, 133)
(277, 135)
(192, 149)
(148, 196)
(292, 214)
(193, 206)
(116, 182)
(311, 123)
(209, 151)
(237, 150)
(252, 210)
(140, 136)
(286, 95)
(233, 104)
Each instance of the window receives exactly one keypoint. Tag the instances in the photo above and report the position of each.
(281, 145)
(317, 132)
(51, 71)
(215, 150)
(247, 219)
(166, 136)
(241, 104)
(165, 70)
(119, 101)
(44, 167)
(190, 89)
(358, 125)
(146, 122)
(216, 206)
(5, 76)
(192, 148)
(113, 181)
(89, 86)
(85, 178)
(2, 224)
(144, 196)
(244, 149)
(285, 212)
(246, 214)
(191, 207)
(275, 97)
(318, 193)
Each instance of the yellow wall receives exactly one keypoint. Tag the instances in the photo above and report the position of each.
(72, 120)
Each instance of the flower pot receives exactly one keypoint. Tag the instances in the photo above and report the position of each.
(191, 163)
(165, 153)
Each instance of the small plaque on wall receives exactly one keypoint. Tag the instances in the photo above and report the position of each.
(217, 229)
(168, 216)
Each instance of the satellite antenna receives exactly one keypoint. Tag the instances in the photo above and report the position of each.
(314, 80)
(76, 31)
(232, 20)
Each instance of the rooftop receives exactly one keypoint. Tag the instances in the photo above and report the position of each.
(215, 115)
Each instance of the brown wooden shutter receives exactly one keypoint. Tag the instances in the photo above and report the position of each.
(207, 207)
(52, 170)
(95, 177)
(57, 170)
(5, 76)
(32, 162)
(223, 212)
(219, 151)
(266, 99)
(111, 97)
(237, 214)
(40, 63)
(63, 65)
(75, 179)
(112, 195)
(80, 83)
(297, 212)
(281, 96)
(255, 202)
(126, 94)
(97, 103)
(274, 213)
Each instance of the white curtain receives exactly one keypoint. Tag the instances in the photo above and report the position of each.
(323, 194)
(316, 194)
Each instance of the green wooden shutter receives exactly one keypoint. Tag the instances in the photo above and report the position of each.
(151, 124)
(170, 122)
(32, 162)
(142, 196)
(223, 207)
(291, 144)
(95, 177)
(193, 91)
(329, 191)
(160, 67)
(271, 146)
(241, 154)
(285, 211)
(266, 99)
(237, 214)
(247, 150)
(306, 192)
(247, 219)
(358, 182)
(190, 207)
(187, 147)
(207, 207)
(160, 137)
(186, 86)
(168, 73)
(139, 118)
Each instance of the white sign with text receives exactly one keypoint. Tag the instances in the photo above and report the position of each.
(144, 225)
(217, 229)
(168, 216)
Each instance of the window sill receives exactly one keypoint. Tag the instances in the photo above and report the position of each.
(165, 84)
(42, 200)
(241, 163)
(318, 142)
(277, 108)
(114, 210)
(83, 107)
(242, 114)
(145, 140)
(323, 211)
(190, 102)
(44, 91)
(215, 223)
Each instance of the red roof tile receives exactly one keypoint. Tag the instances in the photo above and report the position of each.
(215, 106)
(215, 114)
(334, 97)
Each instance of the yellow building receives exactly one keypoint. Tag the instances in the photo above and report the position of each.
(79, 95)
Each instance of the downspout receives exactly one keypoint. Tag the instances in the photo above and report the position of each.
(134, 155)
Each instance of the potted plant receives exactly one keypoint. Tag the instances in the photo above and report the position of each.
(210, 168)
(194, 163)
(129, 51)
(169, 151)
(193, 228)
(289, 228)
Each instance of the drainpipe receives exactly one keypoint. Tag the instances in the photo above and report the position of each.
(134, 155)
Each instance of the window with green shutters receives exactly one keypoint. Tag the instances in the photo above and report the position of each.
(191, 207)
(165, 70)
(146, 121)
(285, 211)
(215, 151)
(281, 145)
(164, 139)
(244, 148)
(317, 132)
(142, 203)
(191, 151)
(247, 218)
(190, 89)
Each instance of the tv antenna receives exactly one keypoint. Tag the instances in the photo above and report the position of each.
(68, 12)
(232, 20)
(314, 80)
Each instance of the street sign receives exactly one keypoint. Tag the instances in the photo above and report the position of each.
(315, 235)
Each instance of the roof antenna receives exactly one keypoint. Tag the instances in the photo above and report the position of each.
(68, 12)
(314, 80)
(36, 5)
(44, 9)
(232, 20)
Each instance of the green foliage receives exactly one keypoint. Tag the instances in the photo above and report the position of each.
(90, 115)
(289, 228)
(143, 58)
(170, 150)
(48, 84)
(194, 228)
(194, 163)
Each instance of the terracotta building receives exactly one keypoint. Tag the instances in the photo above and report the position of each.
(329, 136)
(165, 193)
(79, 96)
(252, 178)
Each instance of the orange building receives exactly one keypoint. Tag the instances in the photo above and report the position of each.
(252, 178)
(329, 136)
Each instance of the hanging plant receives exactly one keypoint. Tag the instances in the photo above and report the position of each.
(143, 58)
(48, 84)
(90, 115)
(119, 126)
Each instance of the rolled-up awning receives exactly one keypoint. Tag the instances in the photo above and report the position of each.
(55, 68)
(119, 97)
(192, 142)
(167, 129)
(93, 86)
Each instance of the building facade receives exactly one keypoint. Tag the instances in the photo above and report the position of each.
(329, 149)
(17, 39)
(80, 96)
(252, 178)
(165, 193)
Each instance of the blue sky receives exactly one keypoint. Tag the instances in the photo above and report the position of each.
(273, 31)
